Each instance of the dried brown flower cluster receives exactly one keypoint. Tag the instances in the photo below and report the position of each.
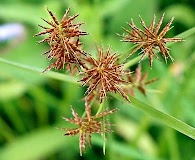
(150, 38)
(63, 38)
(104, 74)
(87, 126)
(138, 80)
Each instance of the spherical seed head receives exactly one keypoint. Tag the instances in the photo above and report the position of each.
(150, 39)
(104, 76)
(87, 126)
(63, 38)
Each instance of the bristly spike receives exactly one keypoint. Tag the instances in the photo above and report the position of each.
(66, 15)
(87, 126)
(105, 75)
(150, 39)
(63, 38)
(138, 80)
(52, 16)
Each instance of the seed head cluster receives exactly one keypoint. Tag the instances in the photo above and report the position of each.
(104, 74)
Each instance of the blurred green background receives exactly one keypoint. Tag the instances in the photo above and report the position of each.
(31, 105)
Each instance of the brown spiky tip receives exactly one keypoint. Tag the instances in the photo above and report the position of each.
(104, 75)
(65, 27)
(64, 53)
(139, 81)
(150, 39)
(87, 126)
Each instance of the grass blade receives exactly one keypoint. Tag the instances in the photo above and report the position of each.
(50, 74)
(164, 118)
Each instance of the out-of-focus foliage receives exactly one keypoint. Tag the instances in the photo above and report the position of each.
(31, 105)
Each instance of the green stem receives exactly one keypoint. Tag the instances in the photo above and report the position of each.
(123, 55)
(165, 118)
(100, 108)
(132, 62)
(161, 116)
(184, 35)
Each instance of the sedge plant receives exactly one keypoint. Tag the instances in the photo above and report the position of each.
(106, 75)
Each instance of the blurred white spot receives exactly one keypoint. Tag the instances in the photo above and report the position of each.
(11, 31)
